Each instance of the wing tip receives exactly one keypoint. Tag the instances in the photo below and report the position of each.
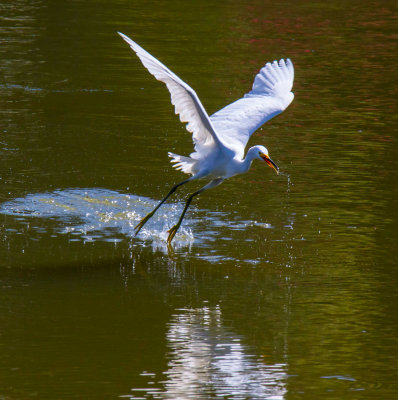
(123, 35)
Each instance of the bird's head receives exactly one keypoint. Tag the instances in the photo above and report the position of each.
(262, 154)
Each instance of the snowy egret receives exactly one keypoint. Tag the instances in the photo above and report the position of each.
(220, 140)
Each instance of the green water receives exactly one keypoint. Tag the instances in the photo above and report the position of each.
(277, 286)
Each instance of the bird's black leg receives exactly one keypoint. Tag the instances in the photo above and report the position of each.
(146, 218)
(172, 231)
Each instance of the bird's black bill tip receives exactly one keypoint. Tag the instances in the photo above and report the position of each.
(270, 163)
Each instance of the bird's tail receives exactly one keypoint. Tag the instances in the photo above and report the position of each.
(184, 164)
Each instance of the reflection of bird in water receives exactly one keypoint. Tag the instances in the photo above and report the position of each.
(220, 140)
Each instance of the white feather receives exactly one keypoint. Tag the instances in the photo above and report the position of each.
(270, 95)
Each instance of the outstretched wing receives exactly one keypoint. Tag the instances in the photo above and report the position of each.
(184, 99)
(270, 95)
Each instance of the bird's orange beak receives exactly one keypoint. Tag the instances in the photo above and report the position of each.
(270, 163)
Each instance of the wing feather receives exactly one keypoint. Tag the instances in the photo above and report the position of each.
(184, 99)
(270, 95)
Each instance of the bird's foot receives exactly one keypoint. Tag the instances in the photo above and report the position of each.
(144, 220)
(172, 232)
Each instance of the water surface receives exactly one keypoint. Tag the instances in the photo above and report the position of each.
(276, 287)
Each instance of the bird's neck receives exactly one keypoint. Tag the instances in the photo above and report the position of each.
(247, 161)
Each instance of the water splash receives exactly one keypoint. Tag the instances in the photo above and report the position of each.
(94, 215)
(98, 214)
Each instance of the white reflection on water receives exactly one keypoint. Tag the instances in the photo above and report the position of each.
(208, 361)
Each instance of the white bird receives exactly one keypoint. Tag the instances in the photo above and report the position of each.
(220, 140)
